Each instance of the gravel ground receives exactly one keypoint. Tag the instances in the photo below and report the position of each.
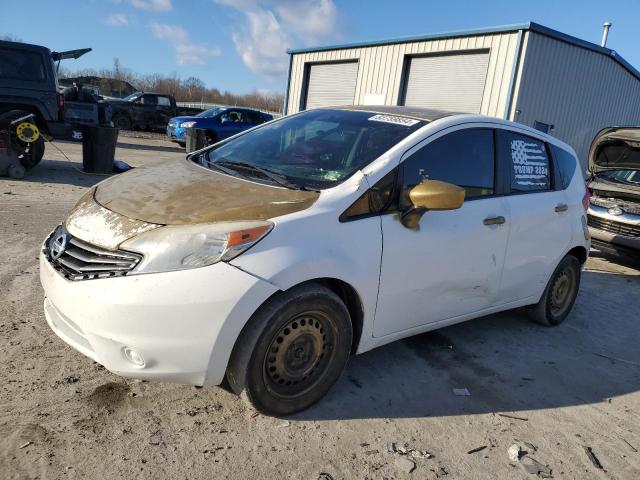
(553, 391)
(155, 135)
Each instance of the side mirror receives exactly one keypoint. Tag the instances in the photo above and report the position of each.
(431, 195)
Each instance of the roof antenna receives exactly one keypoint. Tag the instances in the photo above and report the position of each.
(605, 33)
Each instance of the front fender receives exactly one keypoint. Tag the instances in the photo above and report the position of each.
(318, 247)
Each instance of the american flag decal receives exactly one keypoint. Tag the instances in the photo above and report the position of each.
(530, 163)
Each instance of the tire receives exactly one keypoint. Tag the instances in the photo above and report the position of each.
(559, 295)
(292, 351)
(122, 122)
(36, 152)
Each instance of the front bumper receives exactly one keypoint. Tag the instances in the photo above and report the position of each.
(183, 324)
(617, 230)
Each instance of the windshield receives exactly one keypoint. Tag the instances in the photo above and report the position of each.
(212, 112)
(132, 97)
(622, 176)
(316, 149)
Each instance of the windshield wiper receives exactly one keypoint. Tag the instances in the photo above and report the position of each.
(276, 177)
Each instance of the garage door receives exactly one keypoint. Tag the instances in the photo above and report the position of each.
(331, 84)
(447, 82)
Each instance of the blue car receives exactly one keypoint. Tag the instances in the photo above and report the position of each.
(220, 123)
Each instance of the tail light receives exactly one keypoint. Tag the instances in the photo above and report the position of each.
(586, 198)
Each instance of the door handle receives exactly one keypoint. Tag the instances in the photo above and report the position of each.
(562, 207)
(494, 220)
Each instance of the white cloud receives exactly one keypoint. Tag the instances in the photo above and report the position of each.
(270, 27)
(187, 52)
(117, 20)
(154, 5)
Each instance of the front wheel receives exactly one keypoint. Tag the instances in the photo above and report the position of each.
(122, 122)
(560, 295)
(292, 351)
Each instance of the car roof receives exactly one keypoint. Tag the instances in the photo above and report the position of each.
(23, 46)
(427, 114)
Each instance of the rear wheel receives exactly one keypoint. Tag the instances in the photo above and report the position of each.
(36, 152)
(560, 295)
(292, 351)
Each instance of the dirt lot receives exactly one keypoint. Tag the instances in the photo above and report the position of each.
(63, 416)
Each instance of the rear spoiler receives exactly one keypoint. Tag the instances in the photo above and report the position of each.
(57, 56)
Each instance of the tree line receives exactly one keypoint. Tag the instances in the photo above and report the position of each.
(191, 89)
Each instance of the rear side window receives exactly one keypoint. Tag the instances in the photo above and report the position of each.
(18, 64)
(255, 118)
(464, 158)
(528, 162)
(565, 166)
(164, 101)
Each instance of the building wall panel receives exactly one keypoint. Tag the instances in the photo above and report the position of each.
(380, 70)
(576, 90)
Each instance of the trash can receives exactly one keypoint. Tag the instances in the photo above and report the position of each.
(196, 138)
(98, 149)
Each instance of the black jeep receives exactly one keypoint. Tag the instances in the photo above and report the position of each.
(29, 87)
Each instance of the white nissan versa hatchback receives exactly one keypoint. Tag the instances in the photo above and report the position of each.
(268, 258)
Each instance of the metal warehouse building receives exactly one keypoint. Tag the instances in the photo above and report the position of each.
(528, 73)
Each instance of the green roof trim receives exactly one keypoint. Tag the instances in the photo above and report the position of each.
(528, 26)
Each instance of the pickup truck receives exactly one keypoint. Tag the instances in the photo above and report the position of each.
(147, 111)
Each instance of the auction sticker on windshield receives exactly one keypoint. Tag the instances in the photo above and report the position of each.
(407, 122)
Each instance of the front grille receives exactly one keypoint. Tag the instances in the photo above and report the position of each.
(78, 260)
(613, 227)
(626, 206)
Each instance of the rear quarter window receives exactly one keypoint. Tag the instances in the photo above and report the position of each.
(18, 64)
(565, 167)
(527, 161)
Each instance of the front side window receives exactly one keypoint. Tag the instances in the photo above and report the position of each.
(464, 158)
(149, 100)
(528, 162)
(232, 116)
(318, 148)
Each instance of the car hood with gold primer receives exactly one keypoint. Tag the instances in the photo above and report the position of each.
(180, 193)
(184, 193)
(99, 226)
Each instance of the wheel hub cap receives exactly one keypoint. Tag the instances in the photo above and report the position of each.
(296, 356)
(561, 292)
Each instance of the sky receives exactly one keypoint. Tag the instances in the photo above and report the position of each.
(240, 45)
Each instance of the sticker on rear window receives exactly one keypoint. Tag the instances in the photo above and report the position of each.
(405, 122)
(530, 165)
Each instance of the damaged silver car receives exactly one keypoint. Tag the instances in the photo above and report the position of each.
(614, 184)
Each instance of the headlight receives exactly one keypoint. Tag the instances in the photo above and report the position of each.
(187, 124)
(191, 246)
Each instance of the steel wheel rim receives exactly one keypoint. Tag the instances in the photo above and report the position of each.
(561, 292)
(299, 354)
